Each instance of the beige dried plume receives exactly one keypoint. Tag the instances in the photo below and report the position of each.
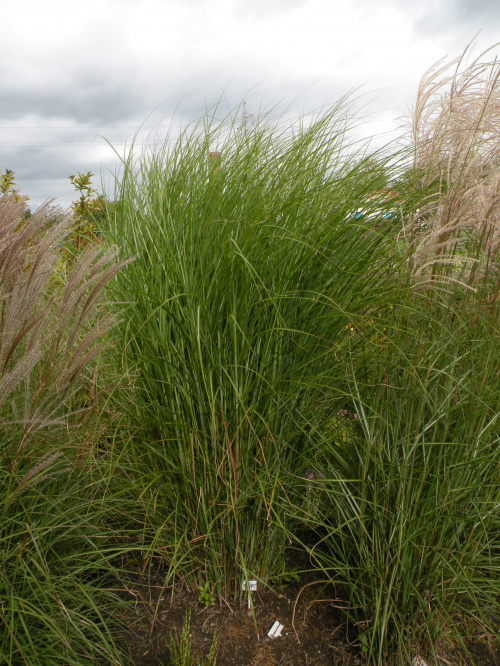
(454, 132)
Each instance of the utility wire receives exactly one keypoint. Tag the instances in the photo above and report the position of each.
(80, 126)
(89, 143)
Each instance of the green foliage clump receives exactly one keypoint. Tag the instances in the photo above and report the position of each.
(7, 186)
(407, 506)
(7, 182)
(88, 210)
(56, 544)
(408, 511)
(247, 271)
(205, 597)
(181, 650)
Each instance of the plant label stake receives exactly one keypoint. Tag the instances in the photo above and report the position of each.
(275, 630)
(418, 661)
(252, 587)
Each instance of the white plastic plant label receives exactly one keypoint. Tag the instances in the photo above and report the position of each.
(418, 661)
(275, 630)
(252, 585)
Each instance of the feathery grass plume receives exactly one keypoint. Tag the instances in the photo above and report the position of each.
(55, 527)
(455, 138)
(34, 475)
(47, 335)
(248, 270)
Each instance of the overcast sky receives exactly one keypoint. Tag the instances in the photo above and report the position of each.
(72, 73)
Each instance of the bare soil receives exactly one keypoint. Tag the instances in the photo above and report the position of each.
(315, 629)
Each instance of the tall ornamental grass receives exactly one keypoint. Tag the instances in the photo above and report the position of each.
(249, 265)
(57, 519)
(407, 506)
(406, 482)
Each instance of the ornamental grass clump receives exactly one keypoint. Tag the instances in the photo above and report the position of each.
(55, 525)
(248, 267)
(407, 513)
(408, 516)
(48, 333)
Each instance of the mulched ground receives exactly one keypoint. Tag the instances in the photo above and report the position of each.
(315, 629)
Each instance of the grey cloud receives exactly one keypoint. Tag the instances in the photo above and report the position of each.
(484, 12)
(41, 172)
(84, 98)
(105, 83)
(89, 107)
(463, 17)
(489, 9)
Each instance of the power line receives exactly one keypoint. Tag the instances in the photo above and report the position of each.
(87, 144)
(65, 143)
(81, 126)
(61, 144)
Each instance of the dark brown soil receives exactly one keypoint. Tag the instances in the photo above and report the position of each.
(315, 629)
